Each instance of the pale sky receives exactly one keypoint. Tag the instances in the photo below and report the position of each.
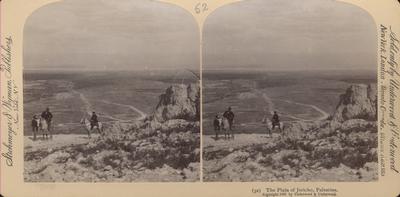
(103, 34)
(289, 35)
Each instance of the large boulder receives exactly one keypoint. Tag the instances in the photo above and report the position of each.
(179, 102)
(359, 102)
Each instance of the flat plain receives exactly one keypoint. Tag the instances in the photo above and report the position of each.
(295, 95)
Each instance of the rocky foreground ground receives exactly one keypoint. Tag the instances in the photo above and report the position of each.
(341, 148)
(163, 147)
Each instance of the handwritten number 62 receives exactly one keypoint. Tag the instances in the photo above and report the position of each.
(200, 7)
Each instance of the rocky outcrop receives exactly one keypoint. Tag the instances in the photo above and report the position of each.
(359, 102)
(179, 102)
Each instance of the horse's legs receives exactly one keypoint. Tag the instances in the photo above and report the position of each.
(34, 133)
(225, 133)
(231, 130)
(49, 130)
(268, 131)
(88, 131)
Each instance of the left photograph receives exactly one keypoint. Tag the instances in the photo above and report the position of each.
(111, 93)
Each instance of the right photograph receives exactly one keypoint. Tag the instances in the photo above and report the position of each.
(289, 92)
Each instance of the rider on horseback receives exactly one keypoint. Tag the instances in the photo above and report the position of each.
(230, 116)
(47, 116)
(94, 121)
(275, 121)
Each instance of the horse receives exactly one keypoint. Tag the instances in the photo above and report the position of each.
(227, 128)
(35, 126)
(87, 124)
(218, 124)
(44, 128)
(271, 128)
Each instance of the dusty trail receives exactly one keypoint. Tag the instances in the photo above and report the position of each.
(271, 106)
(267, 100)
(323, 116)
(142, 114)
(88, 107)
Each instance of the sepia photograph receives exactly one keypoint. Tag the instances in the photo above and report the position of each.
(289, 93)
(111, 93)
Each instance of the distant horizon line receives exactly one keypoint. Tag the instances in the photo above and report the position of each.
(105, 70)
(292, 70)
(194, 70)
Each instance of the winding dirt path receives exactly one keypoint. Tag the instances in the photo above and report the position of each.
(271, 106)
(142, 114)
(88, 107)
(323, 116)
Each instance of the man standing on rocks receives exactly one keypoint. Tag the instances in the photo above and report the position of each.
(229, 116)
